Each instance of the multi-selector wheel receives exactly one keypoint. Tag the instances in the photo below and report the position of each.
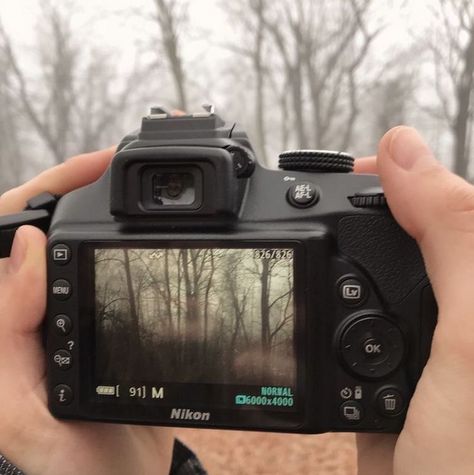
(372, 346)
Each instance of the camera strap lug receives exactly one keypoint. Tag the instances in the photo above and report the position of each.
(38, 212)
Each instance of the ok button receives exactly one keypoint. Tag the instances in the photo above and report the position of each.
(373, 348)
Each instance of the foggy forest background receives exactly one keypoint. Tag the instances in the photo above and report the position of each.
(75, 76)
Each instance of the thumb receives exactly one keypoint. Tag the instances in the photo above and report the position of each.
(23, 283)
(436, 207)
(22, 307)
(22, 366)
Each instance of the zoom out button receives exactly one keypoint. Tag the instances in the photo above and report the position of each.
(62, 359)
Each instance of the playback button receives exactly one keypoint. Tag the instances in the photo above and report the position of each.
(61, 254)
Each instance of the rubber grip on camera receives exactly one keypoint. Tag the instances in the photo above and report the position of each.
(389, 255)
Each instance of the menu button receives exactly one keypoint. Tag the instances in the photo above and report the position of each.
(61, 289)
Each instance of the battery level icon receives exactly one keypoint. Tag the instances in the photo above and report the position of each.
(240, 399)
(107, 390)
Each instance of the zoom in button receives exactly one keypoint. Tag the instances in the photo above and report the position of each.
(62, 324)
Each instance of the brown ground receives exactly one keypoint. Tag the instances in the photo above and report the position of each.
(255, 453)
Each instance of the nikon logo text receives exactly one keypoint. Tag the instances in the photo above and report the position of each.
(188, 415)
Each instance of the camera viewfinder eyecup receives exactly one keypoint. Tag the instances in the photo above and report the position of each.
(179, 182)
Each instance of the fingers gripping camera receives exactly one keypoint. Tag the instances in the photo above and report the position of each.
(191, 286)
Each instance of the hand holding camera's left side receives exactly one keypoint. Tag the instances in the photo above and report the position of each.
(28, 428)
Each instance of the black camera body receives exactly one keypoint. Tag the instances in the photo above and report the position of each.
(191, 287)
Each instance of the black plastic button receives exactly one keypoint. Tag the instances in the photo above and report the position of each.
(352, 291)
(390, 402)
(62, 359)
(63, 394)
(352, 412)
(61, 254)
(244, 165)
(372, 347)
(62, 324)
(303, 195)
(61, 289)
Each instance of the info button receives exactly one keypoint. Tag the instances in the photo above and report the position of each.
(61, 289)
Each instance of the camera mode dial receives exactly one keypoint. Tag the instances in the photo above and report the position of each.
(316, 161)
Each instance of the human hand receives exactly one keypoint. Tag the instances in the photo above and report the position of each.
(30, 437)
(435, 207)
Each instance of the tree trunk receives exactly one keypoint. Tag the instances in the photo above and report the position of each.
(134, 347)
(265, 308)
(168, 21)
(260, 86)
(462, 121)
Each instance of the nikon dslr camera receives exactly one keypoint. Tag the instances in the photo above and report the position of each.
(192, 287)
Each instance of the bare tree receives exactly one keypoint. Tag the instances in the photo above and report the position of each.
(11, 155)
(170, 17)
(100, 104)
(308, 55)
(49, 109)
(76, 100)
(454, 74)
(393, 93)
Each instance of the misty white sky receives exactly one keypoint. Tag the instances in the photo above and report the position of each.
(122, 27)
(119, 23)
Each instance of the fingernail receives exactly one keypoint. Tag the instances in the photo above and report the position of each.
(408, 149)
(18, 253)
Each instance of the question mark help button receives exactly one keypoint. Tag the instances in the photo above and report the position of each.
(62, 359)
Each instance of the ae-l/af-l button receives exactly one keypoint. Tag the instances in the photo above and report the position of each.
(303, 195)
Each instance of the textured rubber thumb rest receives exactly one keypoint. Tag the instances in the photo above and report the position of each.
(38, 212)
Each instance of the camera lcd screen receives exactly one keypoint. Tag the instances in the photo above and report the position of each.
(203, 326)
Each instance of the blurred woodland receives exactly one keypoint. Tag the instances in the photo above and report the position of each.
(222, 316)
(332, 74)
